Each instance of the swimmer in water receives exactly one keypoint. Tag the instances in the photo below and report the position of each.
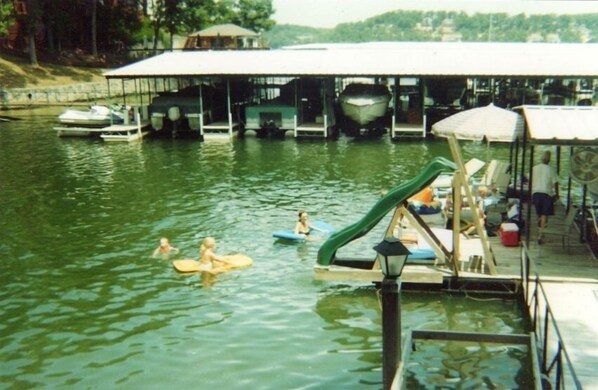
(165, 248)
(208, 259)
(302, 226)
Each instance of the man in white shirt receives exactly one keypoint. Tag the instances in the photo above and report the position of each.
(545, 191)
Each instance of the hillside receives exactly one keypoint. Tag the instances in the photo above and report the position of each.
(445, 26)
(16, 72)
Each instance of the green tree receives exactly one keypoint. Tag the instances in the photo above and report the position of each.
(198, 15)
(254, 14)
(174, 16)
(159, 7)
(6, 16)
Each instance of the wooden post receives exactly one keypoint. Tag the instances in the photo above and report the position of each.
(230, 115)
(456, 217)
(456, 152)
(391, 330)
(201, 124)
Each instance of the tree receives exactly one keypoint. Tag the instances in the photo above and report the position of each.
(254, 14)
(168, 14)
(6, 16)
(159, 14)
(30, 22)
(200, 14)
(173, 11)
(94, 27)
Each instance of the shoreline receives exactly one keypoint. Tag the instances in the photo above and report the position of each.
(68, 94)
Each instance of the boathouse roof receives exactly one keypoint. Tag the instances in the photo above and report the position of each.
(225, 30)
(456, 59)
(561, 125)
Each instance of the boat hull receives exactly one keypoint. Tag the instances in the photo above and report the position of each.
(97, 116)
(364, 103)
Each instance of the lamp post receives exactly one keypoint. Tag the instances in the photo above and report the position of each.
(393, 256)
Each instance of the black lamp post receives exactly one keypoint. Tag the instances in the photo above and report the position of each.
(393, 256)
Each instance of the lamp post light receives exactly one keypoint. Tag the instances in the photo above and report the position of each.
(393, 256)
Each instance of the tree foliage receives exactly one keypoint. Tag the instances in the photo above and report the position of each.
(105, 26)
(436, 26)
(6, 16)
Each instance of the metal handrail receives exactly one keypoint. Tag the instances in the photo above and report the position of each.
(559, 371)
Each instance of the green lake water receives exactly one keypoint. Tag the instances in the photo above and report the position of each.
(84, 305)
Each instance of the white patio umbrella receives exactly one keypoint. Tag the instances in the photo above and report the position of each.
(490, 123)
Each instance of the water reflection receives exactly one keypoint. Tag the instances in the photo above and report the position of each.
(355, 313)
(84, 305)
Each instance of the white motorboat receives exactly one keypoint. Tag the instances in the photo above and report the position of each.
(96, 116)
(364, 103)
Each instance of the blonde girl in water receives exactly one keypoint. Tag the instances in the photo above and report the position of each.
(165, 248)
(207, 258)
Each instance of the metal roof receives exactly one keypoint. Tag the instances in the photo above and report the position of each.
(378, 59)
(561, 125)
(228, 30)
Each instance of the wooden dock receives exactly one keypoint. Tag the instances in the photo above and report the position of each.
(126, 133)
(118, 133)
(569, 276)
(407, 130)
(318, 128)
(311, 129)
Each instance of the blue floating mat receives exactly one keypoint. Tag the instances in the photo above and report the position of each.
(421, 254)
(290, 234)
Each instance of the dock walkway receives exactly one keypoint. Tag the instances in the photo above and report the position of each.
(569, 276)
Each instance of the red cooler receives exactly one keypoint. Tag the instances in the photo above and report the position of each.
(509, 234)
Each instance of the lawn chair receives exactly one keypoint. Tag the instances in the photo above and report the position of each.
(564, 230)
(497, 176)
(473, 166)
(443, 183)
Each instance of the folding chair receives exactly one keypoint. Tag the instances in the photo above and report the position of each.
(564, 230)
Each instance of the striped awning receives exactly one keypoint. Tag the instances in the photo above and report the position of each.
(561, 125)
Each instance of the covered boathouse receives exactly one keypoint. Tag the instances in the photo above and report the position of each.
(296, 89)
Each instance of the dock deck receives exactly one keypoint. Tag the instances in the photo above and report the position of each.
(569, 276)
(120, 133)
(311, 129)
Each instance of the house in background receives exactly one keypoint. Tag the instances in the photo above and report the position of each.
(224, 36)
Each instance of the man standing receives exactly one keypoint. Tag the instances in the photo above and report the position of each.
(545, 191)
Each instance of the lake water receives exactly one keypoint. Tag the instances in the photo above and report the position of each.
(84, 305)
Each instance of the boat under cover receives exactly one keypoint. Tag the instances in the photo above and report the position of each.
(364, 103)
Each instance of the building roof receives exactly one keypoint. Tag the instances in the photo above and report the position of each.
(225, 30)
(561, 125)
(379, 59)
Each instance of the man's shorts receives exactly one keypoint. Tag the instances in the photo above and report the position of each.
(543, 203)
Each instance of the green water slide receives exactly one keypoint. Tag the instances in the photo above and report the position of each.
(387, 203)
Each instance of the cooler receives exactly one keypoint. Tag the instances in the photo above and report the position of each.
(509, 234)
